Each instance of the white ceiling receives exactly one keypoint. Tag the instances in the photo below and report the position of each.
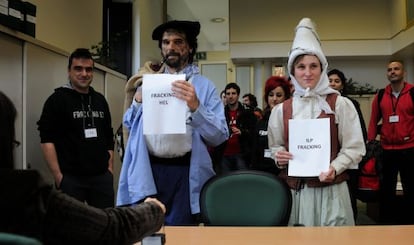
(213, 36)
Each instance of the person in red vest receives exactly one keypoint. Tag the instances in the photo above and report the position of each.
(320, 198)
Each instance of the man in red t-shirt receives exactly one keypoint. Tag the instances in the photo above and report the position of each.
(241, 121)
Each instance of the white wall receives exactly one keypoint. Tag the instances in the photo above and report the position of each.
(370, 70)
(44, 71)
(345, 27)
(31, 70)
(267, 21)
(11, 66)
(147, 14)
(358, 43)
(69, 24)
(398, 15)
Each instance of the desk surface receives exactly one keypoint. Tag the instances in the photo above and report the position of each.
(355, 235)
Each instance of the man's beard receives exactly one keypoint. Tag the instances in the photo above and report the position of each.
(394, 79)
(177, 63)
(233, 103)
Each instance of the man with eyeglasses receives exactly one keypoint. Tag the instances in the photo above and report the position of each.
(77, 137)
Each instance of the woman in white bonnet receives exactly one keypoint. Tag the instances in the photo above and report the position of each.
(321, 200)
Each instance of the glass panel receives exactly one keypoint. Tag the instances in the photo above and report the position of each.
(243, 78)
(216, 73)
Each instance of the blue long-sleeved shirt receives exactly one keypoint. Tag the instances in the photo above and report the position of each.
(209, 128)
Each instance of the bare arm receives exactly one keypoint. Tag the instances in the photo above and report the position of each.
(111, 161)
(49, 152)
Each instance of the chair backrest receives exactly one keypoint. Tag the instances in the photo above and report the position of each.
(15, 239)
(245, 198)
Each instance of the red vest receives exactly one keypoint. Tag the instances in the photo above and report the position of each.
(297, 182)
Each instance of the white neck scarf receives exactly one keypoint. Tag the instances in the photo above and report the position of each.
(322, 88)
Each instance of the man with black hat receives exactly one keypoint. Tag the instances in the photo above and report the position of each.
(172, 167)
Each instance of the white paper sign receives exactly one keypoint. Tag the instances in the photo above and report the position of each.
(163, 113)
(310, 144)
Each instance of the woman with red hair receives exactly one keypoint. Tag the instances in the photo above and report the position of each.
(277, 89)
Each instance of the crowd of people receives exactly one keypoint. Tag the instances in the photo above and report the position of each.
(162, 174)
(263, 145)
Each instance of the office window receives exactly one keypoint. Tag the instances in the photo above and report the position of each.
(117, 36)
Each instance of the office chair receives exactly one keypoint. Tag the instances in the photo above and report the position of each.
(245, 198)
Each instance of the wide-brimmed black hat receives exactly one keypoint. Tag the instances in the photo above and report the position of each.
(190, 28)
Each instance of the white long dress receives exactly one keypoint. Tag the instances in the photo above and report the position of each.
(330, 205)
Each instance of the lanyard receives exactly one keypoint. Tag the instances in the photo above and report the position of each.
(394, 106)
(89, 113)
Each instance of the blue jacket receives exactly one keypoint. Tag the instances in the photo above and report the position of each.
(209, 129)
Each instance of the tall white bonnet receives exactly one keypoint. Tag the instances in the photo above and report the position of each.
(306, 41)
